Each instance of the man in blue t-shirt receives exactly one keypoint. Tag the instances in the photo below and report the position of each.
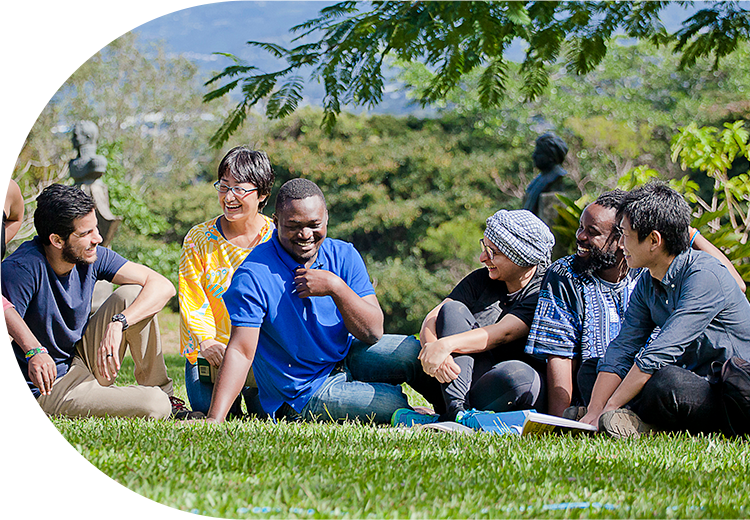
(70, 359)
(305, 316)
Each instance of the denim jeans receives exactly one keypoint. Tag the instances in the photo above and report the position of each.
(365, 385)
(199, 394)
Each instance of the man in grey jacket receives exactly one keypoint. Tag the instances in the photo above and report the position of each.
(704, 319)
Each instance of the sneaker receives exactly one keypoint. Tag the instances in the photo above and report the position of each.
(623, 423)
(181, 412)
(406, 417)
(501, 423)
(17, 412)
(575, 413)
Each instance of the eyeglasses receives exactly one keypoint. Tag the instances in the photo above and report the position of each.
(487, 249)
(238, 191)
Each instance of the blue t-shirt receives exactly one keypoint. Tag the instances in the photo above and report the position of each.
(55, 308)
(301, 339)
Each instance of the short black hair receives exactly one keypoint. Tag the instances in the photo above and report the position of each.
(657, 207)
(57, 207)
(297, 189)
(246, 165)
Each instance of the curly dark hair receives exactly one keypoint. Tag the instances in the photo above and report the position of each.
(57, 207)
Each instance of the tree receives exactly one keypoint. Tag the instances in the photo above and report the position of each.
(143, 99)
(346, 48)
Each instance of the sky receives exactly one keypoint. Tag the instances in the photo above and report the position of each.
(200, 31)
(194, 28)
(198, 28)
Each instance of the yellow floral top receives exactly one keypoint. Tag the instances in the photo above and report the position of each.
(207, 264)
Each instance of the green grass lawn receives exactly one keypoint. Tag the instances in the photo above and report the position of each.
(257, 469)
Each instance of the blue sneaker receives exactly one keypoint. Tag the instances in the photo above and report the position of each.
(470, 418)
(501, 423)
(406, 417)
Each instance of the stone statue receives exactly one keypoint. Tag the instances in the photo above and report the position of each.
(86, 170)
(549, 153)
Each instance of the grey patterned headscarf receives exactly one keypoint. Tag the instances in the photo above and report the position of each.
(521, 236)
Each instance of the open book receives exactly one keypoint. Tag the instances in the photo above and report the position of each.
(8, 387)
(539, 423)
(522, 422)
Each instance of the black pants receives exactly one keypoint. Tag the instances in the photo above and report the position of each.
(675, 399)
(484, 383)
(586, 377)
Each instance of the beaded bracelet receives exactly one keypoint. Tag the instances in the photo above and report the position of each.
(694, 235)
(34, 351)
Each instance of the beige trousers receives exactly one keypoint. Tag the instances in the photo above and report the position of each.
(80, 394)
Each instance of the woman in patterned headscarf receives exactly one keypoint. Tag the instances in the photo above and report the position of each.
(211, 252)
(473, 342)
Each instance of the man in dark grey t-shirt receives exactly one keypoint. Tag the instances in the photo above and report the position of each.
(69, 358)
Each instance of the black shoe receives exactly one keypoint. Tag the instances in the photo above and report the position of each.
(182, 412)
(575, 413)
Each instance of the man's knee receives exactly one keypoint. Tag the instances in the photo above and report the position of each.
(126, 294)
(666, 378)
(155, 404)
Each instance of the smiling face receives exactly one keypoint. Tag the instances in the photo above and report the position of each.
(499, 267)
(80, 246)
(597, 248)
(637, 253)
(302, 225)
(239, 208)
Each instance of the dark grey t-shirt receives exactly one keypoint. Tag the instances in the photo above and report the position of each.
(55, 308)
(489, 300)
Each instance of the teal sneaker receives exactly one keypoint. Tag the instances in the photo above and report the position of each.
(500, 423)
(471, 418)
(406, 417)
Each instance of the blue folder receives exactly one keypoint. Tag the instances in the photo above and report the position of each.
(503, 423)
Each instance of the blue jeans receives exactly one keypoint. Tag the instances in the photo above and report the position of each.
(365, 384)
(199, 394)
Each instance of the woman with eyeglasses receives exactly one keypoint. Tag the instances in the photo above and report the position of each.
(473, 342)
(11, 218)
(211, 253)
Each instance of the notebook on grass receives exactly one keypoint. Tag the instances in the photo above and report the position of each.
(539, 423)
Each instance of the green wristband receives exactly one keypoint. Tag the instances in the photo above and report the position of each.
(34, 351)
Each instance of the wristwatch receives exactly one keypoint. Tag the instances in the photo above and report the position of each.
(121, 318)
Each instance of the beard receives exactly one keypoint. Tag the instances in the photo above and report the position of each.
(597, 260)
(70, 255)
